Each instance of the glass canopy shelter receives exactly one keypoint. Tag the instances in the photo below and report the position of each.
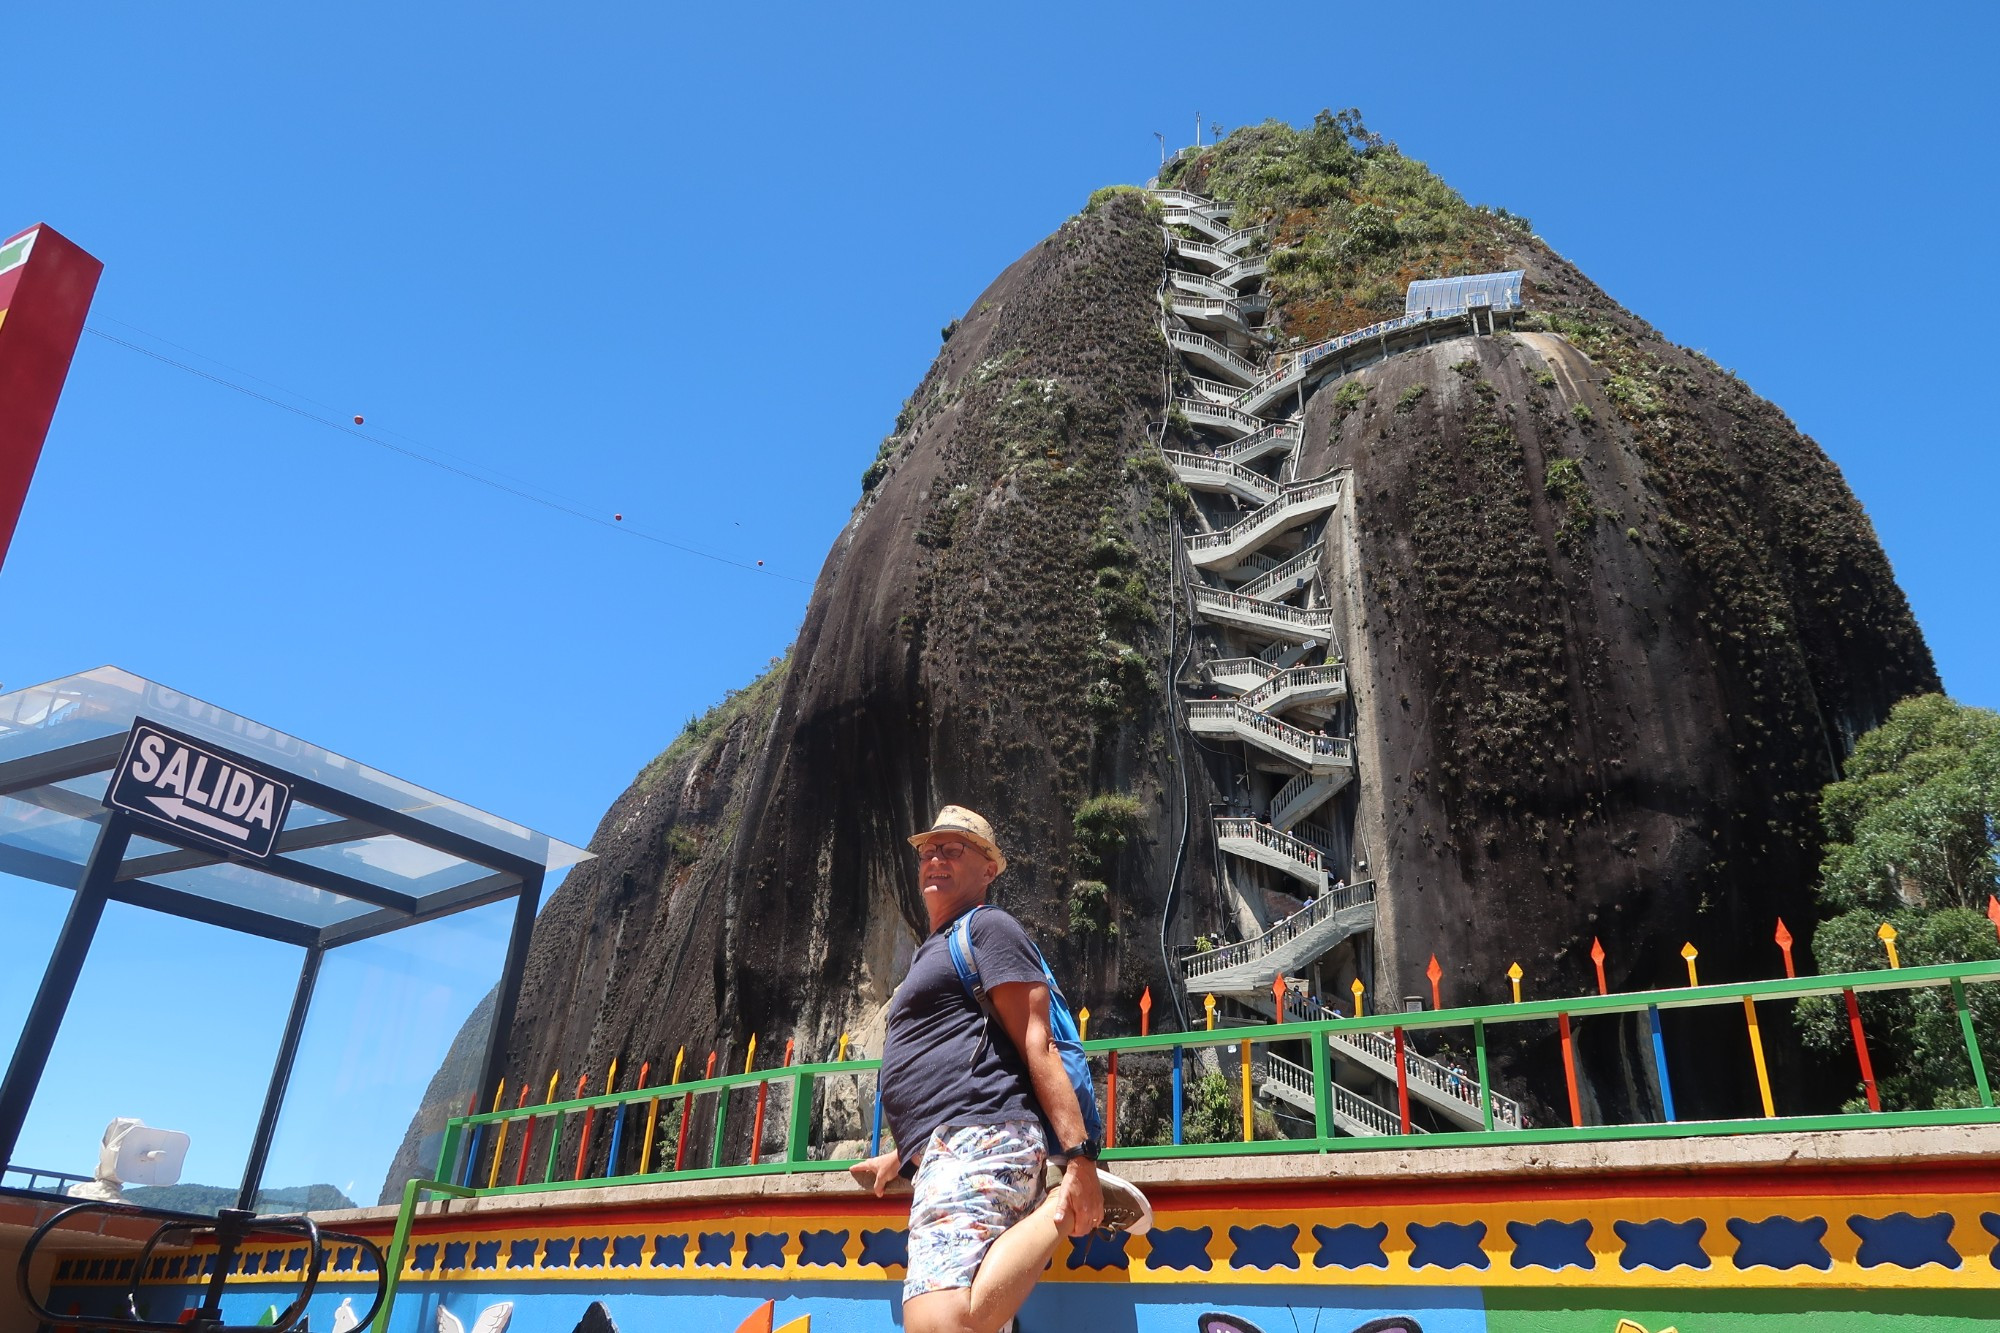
(352, 852)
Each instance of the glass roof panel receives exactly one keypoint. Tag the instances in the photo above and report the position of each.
(393, 863)
(244, 887)
(96, 704)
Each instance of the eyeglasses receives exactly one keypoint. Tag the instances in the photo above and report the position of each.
(950, 851)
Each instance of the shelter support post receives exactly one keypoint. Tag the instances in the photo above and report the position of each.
(281, 1078)
(52, 997)
(507, 996)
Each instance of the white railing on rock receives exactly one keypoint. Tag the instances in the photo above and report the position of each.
(1215, 391)
(1321, 909)
(1298, 495)
(1319, 835)
(1276, 840)
(1256, 266)
(1190, 281)
(1460, 1086)
(1285, 572)
(1219, 415)
(1200, 344)
(1301, 796)
(1239, 666)
(1222, 470)
(1276, 435)
(1188, 249)
(1219, 599)
(1292, 680)
(1173, 198)
(1347, 1104)
(1207, 305)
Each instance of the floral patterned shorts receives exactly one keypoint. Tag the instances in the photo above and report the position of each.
(974, 1182)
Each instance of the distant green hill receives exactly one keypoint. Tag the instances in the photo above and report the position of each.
(213, 1198)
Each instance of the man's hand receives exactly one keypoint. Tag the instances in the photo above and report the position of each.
(1080, 1201)
(877, 1173)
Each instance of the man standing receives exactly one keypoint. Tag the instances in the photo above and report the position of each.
(976, 1103)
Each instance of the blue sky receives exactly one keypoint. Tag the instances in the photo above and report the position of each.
(683, 264)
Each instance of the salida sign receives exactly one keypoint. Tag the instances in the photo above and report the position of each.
(198, 790)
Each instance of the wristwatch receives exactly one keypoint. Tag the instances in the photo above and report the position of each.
(1088, 1148)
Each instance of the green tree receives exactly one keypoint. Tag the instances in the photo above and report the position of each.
(1911, 842)
(1913, 822)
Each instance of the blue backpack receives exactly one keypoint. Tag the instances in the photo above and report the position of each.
(1062, 1027)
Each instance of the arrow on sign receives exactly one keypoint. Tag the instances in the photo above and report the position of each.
(176, 809)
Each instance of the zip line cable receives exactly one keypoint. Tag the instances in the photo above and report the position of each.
(561, 505)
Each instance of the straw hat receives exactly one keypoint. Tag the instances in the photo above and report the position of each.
(968, 825)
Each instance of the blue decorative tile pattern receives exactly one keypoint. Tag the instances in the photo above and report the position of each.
(1180, 1248)
(712, 1249)
(556, 1251)
(628, 1251)
(1264, 1247)
(1448, 1245)
(664, 1246)
(1781, 1243)
(889, 1248)
(1662, 1244)
(485, 1255)
(823, 1249)
(1552, 1245)
(590, 1251)
(764, 1249)
(521, 1253)
(1904, 1240)
(1351, 1246)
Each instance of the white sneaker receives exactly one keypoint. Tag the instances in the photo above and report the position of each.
(1126, 1208)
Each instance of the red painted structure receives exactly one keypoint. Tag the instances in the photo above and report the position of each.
(46, 282)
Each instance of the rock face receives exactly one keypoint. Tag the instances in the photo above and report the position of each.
(1610, 622)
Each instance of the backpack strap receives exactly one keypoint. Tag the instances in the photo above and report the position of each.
(959, 941)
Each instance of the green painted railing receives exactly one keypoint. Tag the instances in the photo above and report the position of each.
(467, 1153)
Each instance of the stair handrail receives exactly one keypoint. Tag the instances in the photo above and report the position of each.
(1217, 351)
(1296, 494)
(1257, 439)
(1347, 1102)
(1217, 391)
(1309, 744)
(1293, 678)
(1248, 478)
(1323, 908)
(1239, 666)
(1306, 559)
(1196, 407)
(1307, 617)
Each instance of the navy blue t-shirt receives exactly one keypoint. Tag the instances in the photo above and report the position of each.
(939, 1066)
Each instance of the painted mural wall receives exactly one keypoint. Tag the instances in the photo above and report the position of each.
(1797, 1252)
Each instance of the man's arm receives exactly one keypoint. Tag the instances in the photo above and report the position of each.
(1023, 1009)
